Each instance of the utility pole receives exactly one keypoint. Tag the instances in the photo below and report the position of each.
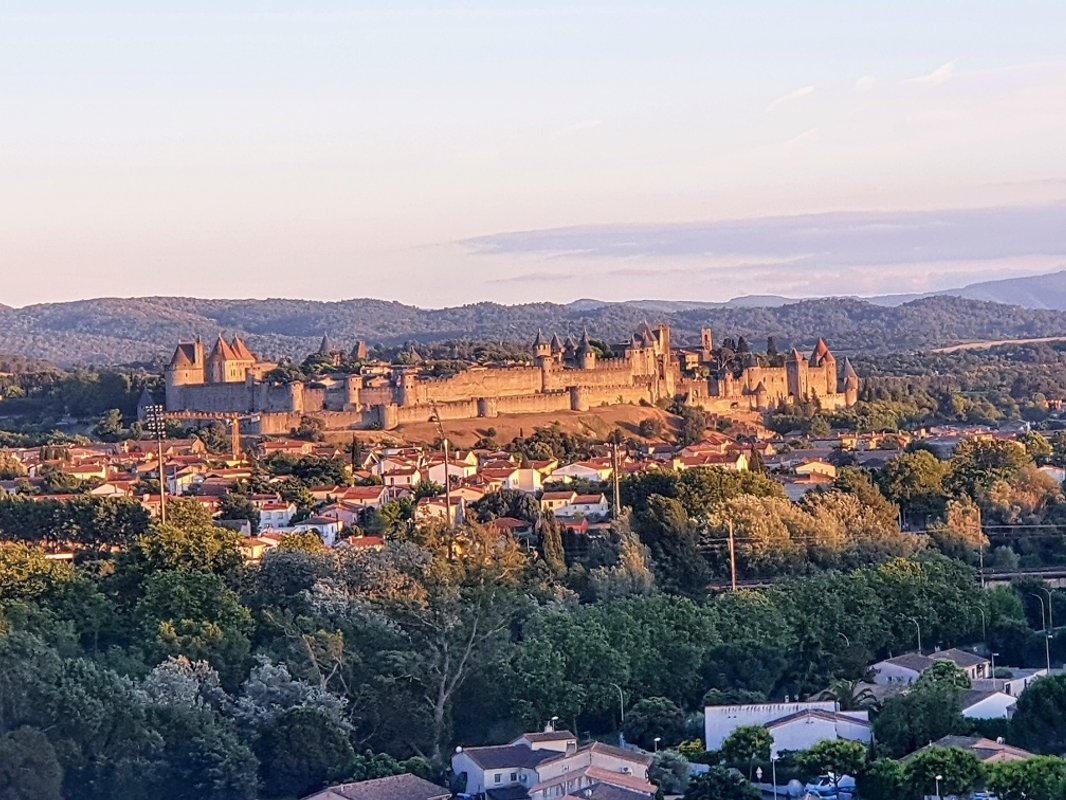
(614, 479)
(732, 556)
(447, 481)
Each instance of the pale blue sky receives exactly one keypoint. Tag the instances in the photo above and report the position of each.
(395, 149)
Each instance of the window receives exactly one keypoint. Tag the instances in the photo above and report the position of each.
(514, 777)
(497, 778)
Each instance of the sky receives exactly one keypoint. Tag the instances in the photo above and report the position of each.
(442, 153)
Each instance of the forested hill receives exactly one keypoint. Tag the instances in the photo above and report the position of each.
(115, 331)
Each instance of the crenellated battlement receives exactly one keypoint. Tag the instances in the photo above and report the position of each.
(576, 375)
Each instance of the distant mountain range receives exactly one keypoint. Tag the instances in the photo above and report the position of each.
(123, 331)
(1046, 291)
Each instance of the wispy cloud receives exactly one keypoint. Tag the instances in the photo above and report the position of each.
(941, 74)
(795, 94)
(865, 83)
(829, 240)
(578, 127)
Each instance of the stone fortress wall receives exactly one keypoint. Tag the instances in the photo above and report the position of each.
(571, 376)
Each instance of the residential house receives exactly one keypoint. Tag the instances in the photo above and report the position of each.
(326, 527)
(393, 787)
(597, 471)
(405, 477)
(986, 750)
(907, 668)
(816, 466)
(794, 726)
(985, 704)
(550, 765)
(585, 505)
(553, 501)
(366, 496)
(275, 513)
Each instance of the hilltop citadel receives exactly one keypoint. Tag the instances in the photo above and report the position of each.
(571, 375)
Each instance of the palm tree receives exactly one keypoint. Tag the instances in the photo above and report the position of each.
(849, 695)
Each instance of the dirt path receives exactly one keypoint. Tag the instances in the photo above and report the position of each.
(988, 344)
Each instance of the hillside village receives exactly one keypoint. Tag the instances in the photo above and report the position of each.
(678, 511)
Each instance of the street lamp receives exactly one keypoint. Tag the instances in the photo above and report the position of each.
(156, 423)
(1050, 616)
(994, 665)
(939, 778)
(657, 740)
(552, 722)
(1043, 625)
(621, 703)
(984, 625)
(773, 771)
(919, 629)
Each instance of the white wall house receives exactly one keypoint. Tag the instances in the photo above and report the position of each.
(585, 505)
(794, 726)
(977, 704)
(326, 527)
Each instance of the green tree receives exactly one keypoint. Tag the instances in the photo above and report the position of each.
(719, 783)
(1037, 446)
(915, 481)
(849, 695)
(238, 506)
(194, 614)
(977, 465)
(836, 757)
(651, 718)
(1042, 778)
(959, 771)
(669, 771)
(304, 751)
(1039, 721)
(746, 745)
(29, 768)
(882, 779)
(928, 712)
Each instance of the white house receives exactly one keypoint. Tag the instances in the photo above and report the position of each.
(457, 471)
(909, 667)
(553, 501)
(326, 527)
(584, 470)
(585, 505)
(794, 726)
(275, 514)
(978, 704)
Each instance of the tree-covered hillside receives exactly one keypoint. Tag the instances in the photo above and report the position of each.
(112, 330)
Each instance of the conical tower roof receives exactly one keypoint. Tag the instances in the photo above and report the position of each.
(849, 371)
(539, 341)
(557, 344)
(586, 343)
(325, 347)
(241, 349)
(223, 351)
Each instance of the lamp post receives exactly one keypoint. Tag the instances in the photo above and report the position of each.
(984, 624)
(1050, 616)
(656, 741)
(919, 629)
(994, 665)
(621, 704)
(939, 778)
(773, 772)
(1043, 625)
(551, 723)
(156, 422)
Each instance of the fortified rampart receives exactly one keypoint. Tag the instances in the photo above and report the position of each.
(565, 377)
